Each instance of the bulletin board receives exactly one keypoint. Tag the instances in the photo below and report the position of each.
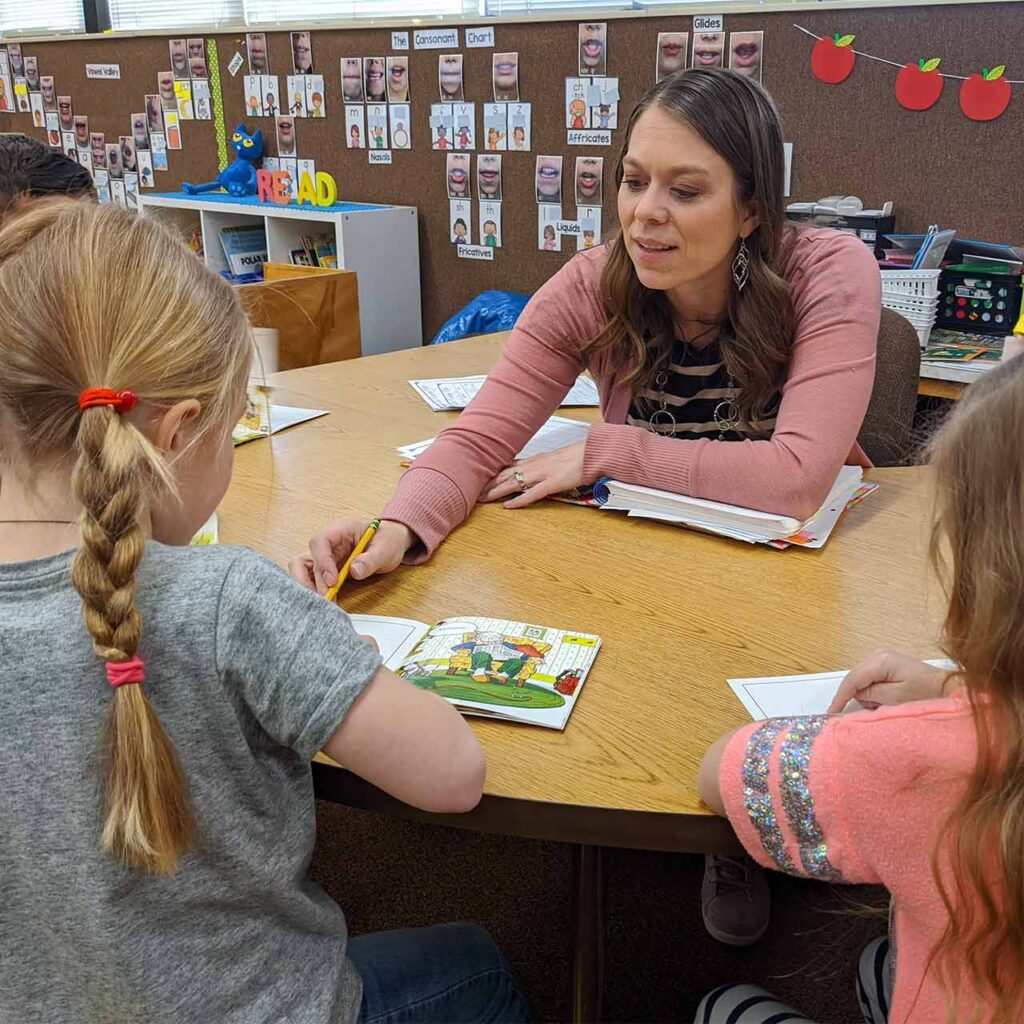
(854, 137)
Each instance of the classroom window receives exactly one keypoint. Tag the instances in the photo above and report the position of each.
(41, 16)
(172, 14)
(263, 11)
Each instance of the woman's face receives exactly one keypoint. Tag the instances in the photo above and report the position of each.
(352, 77)
(488, 172)
(374, 78)
(745, 53)
(677, 205)
(195, 48)
(458, 174)
(588, 177)
(671, 52)
(398, 77)
(592, 37)
(506, 71)
(179, 57)
(450, 74)
(707, 49)
(549, 179)
(302, 52)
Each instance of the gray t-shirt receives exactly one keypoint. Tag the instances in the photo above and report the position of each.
(249, 674)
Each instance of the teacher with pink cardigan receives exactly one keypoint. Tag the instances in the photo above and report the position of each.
(734, 355)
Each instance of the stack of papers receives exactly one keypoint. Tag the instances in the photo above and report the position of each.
(444, 394)
(745, 524)
(558, 432)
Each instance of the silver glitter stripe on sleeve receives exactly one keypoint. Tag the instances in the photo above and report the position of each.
(794, 760)
(757, 798)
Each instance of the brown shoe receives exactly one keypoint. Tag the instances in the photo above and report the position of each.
(735, 900)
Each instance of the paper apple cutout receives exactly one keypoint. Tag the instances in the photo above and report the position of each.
(832, 59)
(984, 97)
(919, 86)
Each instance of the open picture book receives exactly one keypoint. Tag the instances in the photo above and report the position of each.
(495, 668)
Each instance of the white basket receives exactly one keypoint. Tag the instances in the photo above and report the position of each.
(920, 283)
(909, 304)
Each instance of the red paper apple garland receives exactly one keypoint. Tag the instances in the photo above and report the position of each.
(832, 59)
(919, 86)
(984, 97)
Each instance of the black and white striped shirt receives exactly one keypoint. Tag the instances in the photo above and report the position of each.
(682, 400)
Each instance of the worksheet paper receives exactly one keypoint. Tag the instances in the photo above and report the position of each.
(445, 394)
(558, 432)
(794, 696)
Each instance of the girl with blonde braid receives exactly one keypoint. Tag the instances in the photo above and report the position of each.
(160, 702)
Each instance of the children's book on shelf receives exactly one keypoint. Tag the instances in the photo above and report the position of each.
(245, 249)
(316, 251)
(492, 668)
(448, 394)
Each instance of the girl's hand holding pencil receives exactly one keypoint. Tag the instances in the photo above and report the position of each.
(350, 547)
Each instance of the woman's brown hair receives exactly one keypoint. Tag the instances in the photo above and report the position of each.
(978, 550)
(737, 118)
(95, 297)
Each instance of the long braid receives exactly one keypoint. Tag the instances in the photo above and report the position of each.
(147, 821)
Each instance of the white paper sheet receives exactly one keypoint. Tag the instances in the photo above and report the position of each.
(558, 432)
(790, 696)
(394, 637)
(445, 394)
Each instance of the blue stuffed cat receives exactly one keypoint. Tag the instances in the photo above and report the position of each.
(238, 178)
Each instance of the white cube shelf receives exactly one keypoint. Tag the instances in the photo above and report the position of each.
(380, 243)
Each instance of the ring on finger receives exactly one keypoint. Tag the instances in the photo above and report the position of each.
(520, 479)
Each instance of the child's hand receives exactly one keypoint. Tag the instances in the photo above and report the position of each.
(885, 677)
(330, 548)
(545, 474)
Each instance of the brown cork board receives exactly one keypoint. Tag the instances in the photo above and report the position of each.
(937, 166)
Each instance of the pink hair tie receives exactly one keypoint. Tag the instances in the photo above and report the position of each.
(131, 671)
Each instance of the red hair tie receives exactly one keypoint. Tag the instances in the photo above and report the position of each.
(131, 671)
(119, 401)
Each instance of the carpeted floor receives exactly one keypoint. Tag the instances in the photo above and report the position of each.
(659, 960)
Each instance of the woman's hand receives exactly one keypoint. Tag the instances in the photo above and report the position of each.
(331, 547)
(544, 475)
(885, 677)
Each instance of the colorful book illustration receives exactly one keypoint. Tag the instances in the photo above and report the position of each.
(445, 394)
(493, 668)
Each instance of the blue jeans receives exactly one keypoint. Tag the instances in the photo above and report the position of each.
(447, 974)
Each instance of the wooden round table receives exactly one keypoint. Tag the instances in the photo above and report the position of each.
(679, 612)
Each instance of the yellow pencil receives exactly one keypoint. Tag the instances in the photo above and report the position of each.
(332, 594)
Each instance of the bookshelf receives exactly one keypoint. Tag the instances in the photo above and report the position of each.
(380, 243)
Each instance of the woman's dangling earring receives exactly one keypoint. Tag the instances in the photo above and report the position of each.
(741, 265)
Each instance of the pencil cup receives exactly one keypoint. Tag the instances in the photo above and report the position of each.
(265, 363)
